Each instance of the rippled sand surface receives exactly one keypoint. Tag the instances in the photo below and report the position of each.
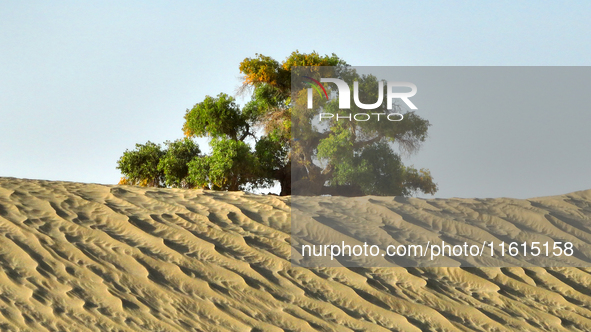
(85, 257)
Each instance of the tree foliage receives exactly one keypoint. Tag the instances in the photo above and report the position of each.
(356, 157)
(231, 166)
(174, 164)
(140, 166)
(254, 146)
(218, 117)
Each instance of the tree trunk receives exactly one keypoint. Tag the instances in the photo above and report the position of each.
(284, 177)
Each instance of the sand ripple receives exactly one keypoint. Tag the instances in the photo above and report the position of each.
(84, 257)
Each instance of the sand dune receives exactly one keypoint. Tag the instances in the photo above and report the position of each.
(85, 257)
(559, 226)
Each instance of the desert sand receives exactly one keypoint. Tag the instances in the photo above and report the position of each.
(86, 257)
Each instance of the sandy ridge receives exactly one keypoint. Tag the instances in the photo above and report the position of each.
(85, 257)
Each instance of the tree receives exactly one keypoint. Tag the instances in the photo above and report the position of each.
(151, 166)
(273, 139)
(346, 158)
(174, 164)
(218, 117)
(231, 166)
(140, 166)
(270, 109)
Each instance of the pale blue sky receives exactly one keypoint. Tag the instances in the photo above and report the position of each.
(82, 81)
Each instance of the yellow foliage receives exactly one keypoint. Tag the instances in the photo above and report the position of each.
(261, 69)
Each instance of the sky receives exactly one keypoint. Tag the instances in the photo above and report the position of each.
(81, 82)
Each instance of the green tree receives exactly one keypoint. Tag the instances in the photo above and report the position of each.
(231, 166)
(254, 146)
(140, 166)
(348, 158)
(174, 164)
(270, 110)
(217, 117)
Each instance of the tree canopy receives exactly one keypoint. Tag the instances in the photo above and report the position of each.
(254, 146)
(140, 166)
